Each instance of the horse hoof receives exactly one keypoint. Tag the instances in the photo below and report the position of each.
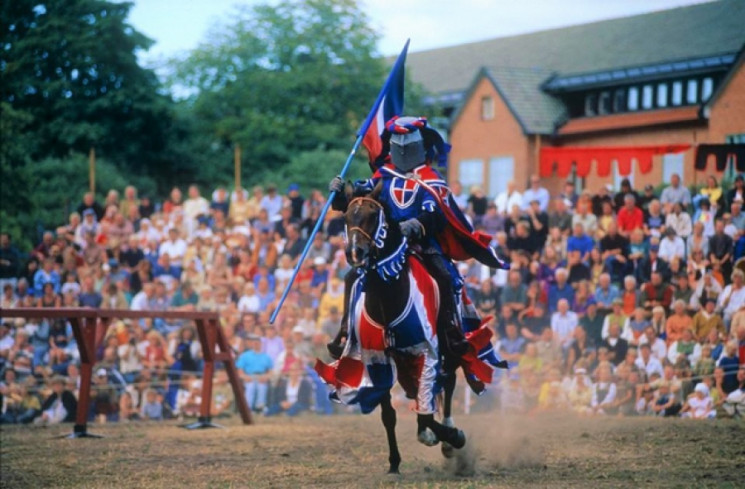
(394, 471)
(427, 437)
(459, 441)
(447, 450)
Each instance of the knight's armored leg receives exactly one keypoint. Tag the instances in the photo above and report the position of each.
(336, 346)
(448, 330)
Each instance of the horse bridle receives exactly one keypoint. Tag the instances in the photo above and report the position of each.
(380, 230)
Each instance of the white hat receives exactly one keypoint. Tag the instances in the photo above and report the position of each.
(298, 329)
(319, 260)
(101, 372)
(702, 388)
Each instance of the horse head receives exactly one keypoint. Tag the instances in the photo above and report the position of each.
(366, 228)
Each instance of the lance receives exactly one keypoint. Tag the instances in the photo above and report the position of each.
(396, 72)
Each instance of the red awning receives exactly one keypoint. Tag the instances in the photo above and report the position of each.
(559, 160)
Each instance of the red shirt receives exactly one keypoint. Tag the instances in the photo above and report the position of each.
(630, 220)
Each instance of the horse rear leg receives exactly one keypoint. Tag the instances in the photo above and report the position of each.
(388, 416)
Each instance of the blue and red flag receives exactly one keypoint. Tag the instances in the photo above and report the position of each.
(391, 104)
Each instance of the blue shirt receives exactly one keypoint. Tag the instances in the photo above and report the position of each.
(512, 346)
(41, 277)
(253, 363)
(584, 244)
(606, 298)
(555, 294)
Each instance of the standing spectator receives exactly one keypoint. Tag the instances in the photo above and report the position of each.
(89, 202)
(272, 203)
(620, 198)
(10, 261)
(737, 192)
(194, 206)
(538, 223)
(254, 368)
(721, 248)
(675, 193)
(477, 205)
(506, 200)
(536, 192)
(560, 216)
(630, 217)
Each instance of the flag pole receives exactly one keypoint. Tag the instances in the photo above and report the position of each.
(360, 136)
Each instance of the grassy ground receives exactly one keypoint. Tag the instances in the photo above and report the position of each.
(350, 451)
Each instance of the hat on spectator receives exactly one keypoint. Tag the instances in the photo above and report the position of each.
(292, 187)
(319, 260)
(89, 212)
(101, 372)
(591, 302)
(298, 329)
(113, 262)
(702, 388)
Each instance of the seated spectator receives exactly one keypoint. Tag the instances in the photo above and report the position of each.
(563, 324)
(617, 317)
(677, 323)
(580, 391)
(511, 347)
(734, 403)
(584, 216)
(685, 347)
(699, 405)
(656, 344)
(630, 216)
(636, 326)
(732, 297)
(665, 402)
(656, 293)
(61, 405)
(606, 294)
(614, 248)
(671, 246)
(513, 295)
(707, 320)
(604, 392)
(292, 394)
(561, 289)
(679, 221)
(729, 362)
(616, 345)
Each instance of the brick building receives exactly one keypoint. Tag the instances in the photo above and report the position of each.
(669, 77)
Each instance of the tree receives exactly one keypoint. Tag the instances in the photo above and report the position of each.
(72, 67)
(281, 80)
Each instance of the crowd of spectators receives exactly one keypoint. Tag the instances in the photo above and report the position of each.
(615, 303)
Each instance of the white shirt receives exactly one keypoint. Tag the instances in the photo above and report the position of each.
(140, 302)
(272, 206)
(681, 223)
(736, 299)
(175, 249)
(672, 354)
(249, 303)
(563, 326)
(670, 248)
(505, 202)
(658, 349)
(652, 366)
(194, 207)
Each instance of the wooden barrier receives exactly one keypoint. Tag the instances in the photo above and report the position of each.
(89, 327)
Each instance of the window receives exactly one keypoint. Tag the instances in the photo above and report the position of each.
(591, 104)
(633, 98)
(707, 88)
(673, 163)
(604, 103)
(501, 171)
(662, 95)
(731, 167)
(487, 108)
(692, 91)
(647, 96)
(471, 172)
(619, 100)
(677, 98)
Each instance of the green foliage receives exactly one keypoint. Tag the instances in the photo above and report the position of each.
(281, 80)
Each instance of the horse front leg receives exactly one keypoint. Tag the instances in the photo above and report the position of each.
(448, 387)
(388, 416)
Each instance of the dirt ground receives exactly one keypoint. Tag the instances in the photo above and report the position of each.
(349, 451)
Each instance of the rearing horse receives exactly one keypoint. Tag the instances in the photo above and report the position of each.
(391, 331)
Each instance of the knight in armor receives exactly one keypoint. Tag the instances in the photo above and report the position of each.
(416, 196)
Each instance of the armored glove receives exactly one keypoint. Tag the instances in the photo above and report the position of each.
(412, 229)
(336, 185)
